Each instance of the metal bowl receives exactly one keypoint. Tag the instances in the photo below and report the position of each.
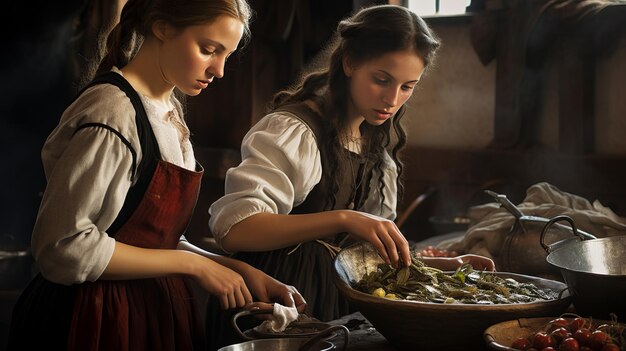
(593, 269)
(412, 325)
(277, 344)
(316, 343)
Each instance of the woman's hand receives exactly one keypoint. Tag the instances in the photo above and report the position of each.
(268, 289)
(452, 263)
(235, 276)
(382, 233)
(227, 285)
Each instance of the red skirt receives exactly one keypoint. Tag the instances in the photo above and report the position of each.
(159, 314)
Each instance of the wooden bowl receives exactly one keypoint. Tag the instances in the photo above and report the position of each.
(500, 336)
(412, 325)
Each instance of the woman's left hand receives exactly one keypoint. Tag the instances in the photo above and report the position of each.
(268, 289)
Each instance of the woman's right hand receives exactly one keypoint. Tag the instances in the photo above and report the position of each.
(224, 283)
(380, 232)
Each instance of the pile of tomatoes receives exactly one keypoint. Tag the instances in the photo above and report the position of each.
(578, 334)
(431, 251)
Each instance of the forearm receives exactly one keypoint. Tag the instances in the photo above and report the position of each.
(131, 262)
(236, 265)
(268, 231)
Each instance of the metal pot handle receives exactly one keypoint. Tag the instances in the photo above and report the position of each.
(324, 334)
(247, 313)
(582, 235)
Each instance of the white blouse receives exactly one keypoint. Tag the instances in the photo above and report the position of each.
(88, 176)
(280, 165)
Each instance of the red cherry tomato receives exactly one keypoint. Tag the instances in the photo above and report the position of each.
(541, 340)
(598, 339)
(560, 334)
(549, 348)
(569, 344)
(610, 347)
(521, 344)
(583, 336)
(557, 323)
(585, 348)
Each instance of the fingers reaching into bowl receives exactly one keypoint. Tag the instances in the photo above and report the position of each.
(383, 234)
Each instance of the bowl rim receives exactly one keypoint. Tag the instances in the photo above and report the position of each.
(346, 289)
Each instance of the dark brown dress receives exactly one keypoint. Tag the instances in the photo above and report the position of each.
(308, 267)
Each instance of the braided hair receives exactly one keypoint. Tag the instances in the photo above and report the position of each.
(369, 34)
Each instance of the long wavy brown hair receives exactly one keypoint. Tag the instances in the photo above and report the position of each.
(369, 34)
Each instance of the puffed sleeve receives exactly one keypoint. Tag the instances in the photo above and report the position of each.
(280, 165)
(372, 203)
(89, 172)
(80, 202)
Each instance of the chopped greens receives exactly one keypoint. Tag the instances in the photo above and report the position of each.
(426, 284)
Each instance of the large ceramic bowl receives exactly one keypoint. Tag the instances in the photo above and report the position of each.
(412, 325)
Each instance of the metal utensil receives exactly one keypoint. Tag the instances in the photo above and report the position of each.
(520, 252)
(411, 208)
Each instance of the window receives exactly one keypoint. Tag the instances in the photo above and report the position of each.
(438, 7)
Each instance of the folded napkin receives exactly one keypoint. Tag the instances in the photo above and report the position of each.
(281, 317)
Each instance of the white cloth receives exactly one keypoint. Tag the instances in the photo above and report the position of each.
(88, 176)
(281, 317)
(491, 223)
(280, 165)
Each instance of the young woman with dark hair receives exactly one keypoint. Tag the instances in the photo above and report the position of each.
(322, 170)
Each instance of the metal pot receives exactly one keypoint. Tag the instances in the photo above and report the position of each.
(296, 329)
(317, 341)
(520, 252)
(279, 344)
(594, 270)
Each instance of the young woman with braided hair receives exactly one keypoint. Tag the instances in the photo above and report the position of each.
(322, 169)
(122, 185)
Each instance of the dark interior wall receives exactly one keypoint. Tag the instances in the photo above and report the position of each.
(38, 76)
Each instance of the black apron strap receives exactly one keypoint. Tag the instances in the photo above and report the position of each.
(149, 148)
